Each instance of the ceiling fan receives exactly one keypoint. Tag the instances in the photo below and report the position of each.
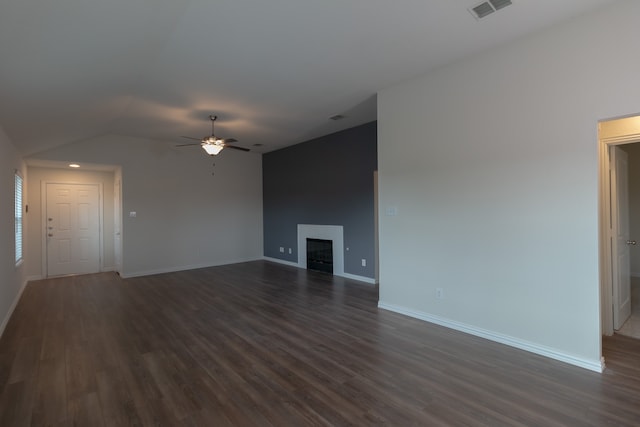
(212, 144)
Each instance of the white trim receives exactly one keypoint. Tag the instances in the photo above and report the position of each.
(128, 275)
(43, 228)
(5, 322)
(117, 219)
(325, 232)
(623, 139)
(364, 279)
(592, 365)
(604, 247)
(34, 278)
(280, 261)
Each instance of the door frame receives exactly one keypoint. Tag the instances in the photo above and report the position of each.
(619, 131)
(43, 223)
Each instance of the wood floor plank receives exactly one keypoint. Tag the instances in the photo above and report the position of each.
(261, 344)
(118, 407)
(7, 358)
(17, 403)
(50, 405)
(80, 371)
(26, 360)
(53, 341)
(85, 410)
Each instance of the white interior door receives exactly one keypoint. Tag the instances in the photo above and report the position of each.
(117, 225)
(72, 229)
(621, 257)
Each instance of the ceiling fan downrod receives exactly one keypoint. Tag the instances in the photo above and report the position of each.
(213, 119)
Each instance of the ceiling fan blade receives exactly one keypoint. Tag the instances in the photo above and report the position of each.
(236, 148)
(186, 145)
(189, 137)
(229, 140)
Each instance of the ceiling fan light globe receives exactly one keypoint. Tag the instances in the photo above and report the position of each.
(212, 149)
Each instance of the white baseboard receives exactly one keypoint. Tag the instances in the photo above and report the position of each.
(281, 261)
(364, 279)
(129, 275)
(592, 365)
(5, 321)
(41, 277)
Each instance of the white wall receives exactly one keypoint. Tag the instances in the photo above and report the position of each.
(38, 175)
(186, 218)
(492, 165)
(12, 278)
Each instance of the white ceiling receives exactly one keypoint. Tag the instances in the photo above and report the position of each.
(273, 71)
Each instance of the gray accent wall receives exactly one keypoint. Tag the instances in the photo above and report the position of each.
(325, 181)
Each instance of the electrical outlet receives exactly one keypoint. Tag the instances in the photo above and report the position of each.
(281, 249)
(439, 293)
(289, 251)
(364, 262)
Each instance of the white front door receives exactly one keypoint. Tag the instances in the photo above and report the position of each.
(621, 256)
(72, 229)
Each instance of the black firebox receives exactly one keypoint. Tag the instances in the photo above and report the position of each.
(320, 255)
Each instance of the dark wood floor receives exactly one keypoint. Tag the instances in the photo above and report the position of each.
(260, 344)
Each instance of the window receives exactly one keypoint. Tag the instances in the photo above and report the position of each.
(18, 207)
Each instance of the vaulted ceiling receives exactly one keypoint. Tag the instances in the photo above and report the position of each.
(273, 71)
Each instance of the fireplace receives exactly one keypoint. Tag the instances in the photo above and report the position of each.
(320, 255)
(332, 233)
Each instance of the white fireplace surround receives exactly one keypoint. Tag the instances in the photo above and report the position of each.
(325, 232)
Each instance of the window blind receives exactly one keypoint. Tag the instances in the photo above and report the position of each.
(18, 216)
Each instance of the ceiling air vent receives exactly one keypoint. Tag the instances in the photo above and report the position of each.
(488, 7)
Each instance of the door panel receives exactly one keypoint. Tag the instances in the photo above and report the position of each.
(73, 229)
(117, 215)
(621, 253)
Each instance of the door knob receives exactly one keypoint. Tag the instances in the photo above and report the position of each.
(631, 242)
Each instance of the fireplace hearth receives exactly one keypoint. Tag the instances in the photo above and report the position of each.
(320, 255)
